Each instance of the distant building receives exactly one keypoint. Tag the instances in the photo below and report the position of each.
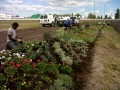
(5, 16)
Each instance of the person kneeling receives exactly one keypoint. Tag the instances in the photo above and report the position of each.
(12, 39)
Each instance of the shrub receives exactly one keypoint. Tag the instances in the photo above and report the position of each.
(2, 79)
(63, 82)
(47, 36)
(52, 68)
(61, 54)
(66, 69)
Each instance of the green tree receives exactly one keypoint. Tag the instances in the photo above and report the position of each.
(117, 14)
(98, 17)
(106, 16)
(78, 15)
(101, 17)
(17, 16)
(66, 15)
(91, 16)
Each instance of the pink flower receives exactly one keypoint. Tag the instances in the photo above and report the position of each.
(34, 66)
(18, 65)
(23, 62)
(13, 66)
(11, 63)
(30, 61)
(38, 60)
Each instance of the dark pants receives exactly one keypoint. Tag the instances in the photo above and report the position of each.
(67, 26)
(11, 45)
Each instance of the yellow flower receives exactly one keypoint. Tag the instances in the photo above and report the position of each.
(24, 75)
(35, 75)
(51, 81)
(24, 82)
(4, 86)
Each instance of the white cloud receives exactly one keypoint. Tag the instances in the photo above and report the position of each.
(42, 10)
(81, 10)
(15, 1)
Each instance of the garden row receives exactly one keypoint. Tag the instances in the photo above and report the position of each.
(46, 64)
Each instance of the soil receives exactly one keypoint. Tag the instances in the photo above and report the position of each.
(30, 34)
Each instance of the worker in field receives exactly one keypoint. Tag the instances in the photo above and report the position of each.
(68, 24)
(12, 39)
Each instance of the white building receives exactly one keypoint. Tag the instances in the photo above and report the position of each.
(5, 16)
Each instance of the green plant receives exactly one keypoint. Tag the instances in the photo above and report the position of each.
(46, 79)
(40, 68)
(27, 69)
(10, 71)
(52, 68)
(66, 69)
(61, 54)
(44, 59)
(63, 82)
(47, 36)
(50, 56)
(2, 79)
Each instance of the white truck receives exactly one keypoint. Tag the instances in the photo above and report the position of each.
(47, 19)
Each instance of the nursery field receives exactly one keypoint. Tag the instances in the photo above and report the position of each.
(85, 58)
(23, 24)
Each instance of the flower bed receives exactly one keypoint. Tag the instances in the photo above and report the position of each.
(44, 64)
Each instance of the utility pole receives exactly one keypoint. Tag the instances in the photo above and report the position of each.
(104, 10)
(94, 8)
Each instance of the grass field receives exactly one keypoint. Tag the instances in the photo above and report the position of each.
(23, 24)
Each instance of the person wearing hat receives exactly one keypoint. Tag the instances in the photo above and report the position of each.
(12, 38)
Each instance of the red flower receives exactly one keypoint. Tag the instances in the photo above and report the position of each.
(11, 63)
(12, 76)
(47, 63)
(13, 66)
(18, 65)
(51, 62)
(38, 60)
(1, 66)
(67, 60)
(34, 66)
(23, 62)
(88, 34)
(30, 61)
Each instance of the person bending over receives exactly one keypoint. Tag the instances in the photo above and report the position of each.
(68, 23)
(12, 39)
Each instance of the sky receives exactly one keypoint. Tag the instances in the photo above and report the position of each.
(26, 8)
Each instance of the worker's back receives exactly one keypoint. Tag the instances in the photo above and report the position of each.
(68, 21)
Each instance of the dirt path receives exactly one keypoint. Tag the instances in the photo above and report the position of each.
(28, 34)
(106, 62)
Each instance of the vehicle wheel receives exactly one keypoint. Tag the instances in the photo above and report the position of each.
(52, 25)
(43, 25)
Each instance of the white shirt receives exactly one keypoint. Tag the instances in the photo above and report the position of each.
(12, 32)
